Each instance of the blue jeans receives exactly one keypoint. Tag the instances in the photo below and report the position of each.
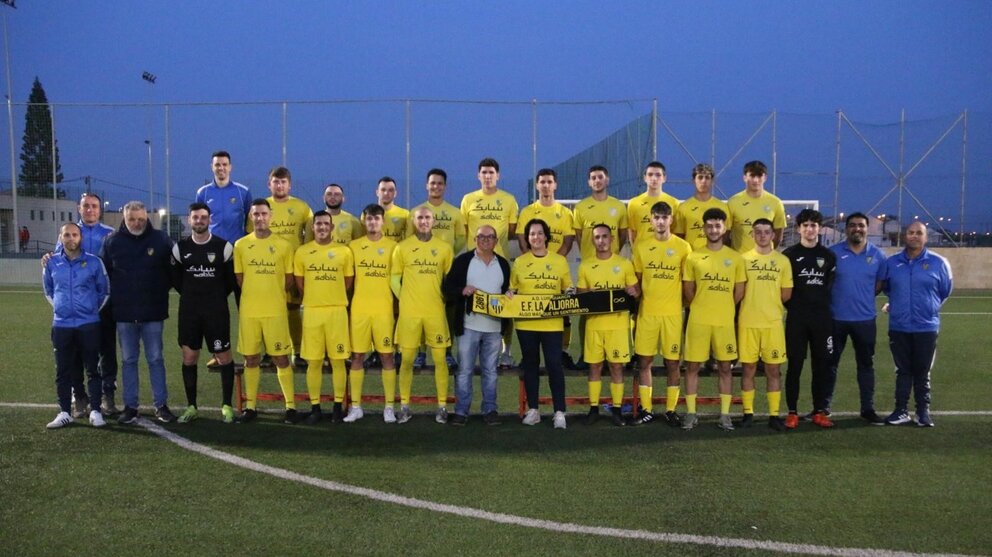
(485, 346)
(150, 335)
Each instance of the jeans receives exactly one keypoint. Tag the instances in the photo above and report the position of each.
(485, 346)
(532, 343)
(76, 349)
(150, 335)
(862, 335)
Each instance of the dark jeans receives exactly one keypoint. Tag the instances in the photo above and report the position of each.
(814, 331)
(862, 335)
(76, 348)
(913, 354)
(532, 343)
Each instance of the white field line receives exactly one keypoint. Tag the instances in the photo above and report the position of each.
(501, 518)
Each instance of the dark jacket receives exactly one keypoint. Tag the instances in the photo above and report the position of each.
(455, 281)
(138, 267)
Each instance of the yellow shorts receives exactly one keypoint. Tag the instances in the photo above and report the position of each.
(372, 331)
(700, 340)
(766, 342)
(432, 328)
(273, 330)
(325, 331)
(614, 346)
(654, 331)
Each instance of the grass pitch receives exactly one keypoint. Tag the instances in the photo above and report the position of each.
(122, 489)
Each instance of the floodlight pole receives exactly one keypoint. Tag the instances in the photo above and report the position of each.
(837, 172)
(151, 189)
(168, 193)
(10, 131)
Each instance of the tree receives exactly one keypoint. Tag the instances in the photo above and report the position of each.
(37, 147)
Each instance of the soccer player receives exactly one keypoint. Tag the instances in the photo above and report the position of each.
(918, 282)
(76, 285)
(541, 271)
(346, 227)
(324, 274)
(713, 282)
(395, 219)
(479, 335)
(203, 274)
(228, 200)
(418, 268)
(639, 209)
(760, 331)
(658, 263)
(561, 236)
(449, 226)
(608, 335)
(809, 322)
(598, 208)
(372, 320)
(137, 260)
(689, 215)
(860, 273)
(497, 208)
(263, 265)
(292, 222)
(751, 204)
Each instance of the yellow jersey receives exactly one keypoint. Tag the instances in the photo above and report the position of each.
(323, 269)
(540, 275)
(423, 266)
(558, 217)
(498, 210)
(589, 213)
(615, 273)
(715, 273)
(394, 223)
(767, 275)
(745, 209)
(660, 265)
(292, 220)
(449, 225)
(372, 262)
(346, 228)
(639, 213)
(689, 221)
(264, 265)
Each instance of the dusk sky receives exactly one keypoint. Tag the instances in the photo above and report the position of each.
(744, 59)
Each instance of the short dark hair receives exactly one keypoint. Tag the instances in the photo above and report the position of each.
(762, 222)
(856, 215)
(488, 161)
(655, 164)
(86, 194)
(221, 154)
(437, 172)
(260, 201)
(548, 172)
(714, 213)
(373, 209)
(334, 185)
(809, 215)
(280, 172)
(702, 168)
(199, 206)
(756, 168)
(385, 179)
(661, 208)
(604, 225)
(544, 226)
(322, 213)
(598, 168)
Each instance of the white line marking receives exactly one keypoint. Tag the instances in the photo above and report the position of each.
(501, 518)
(965, 313)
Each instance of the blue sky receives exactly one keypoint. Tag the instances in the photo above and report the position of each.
(870, 59)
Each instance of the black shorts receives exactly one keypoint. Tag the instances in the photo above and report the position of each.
(208, 321)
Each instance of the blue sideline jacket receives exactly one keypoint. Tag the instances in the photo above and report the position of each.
(77, 289)
(916, 289)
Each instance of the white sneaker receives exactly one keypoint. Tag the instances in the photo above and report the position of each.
(355, 413)
(96, 419)
(388, 415)
(61, 420)
(559, 420)
(532, 417)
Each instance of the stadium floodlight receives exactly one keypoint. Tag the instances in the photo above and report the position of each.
(147, 76)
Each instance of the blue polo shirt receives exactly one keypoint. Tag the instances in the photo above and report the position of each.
(852, 297)
(229, 206)
(917, 288)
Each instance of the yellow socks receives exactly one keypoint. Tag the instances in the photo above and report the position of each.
(315, 370)
(595, 388)
(440, 375)
(389, 386)
(645, 395)
(616, 394)
(672, 399)
(725, 403)
(747, 401)
(252, 376)
(774, 401)
(285, 376)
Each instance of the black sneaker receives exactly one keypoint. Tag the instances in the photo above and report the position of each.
(164, 415)
(337, 415)
(871, 417)
(644, 417)
(567, 361)
(616, 415)
(748, 421)
(128, 416)
(593, 415)
(266, 361)
(457, 419)
(776, 423)
(248, 415)
(315, 415)
(673, 419)
(491, 418)
(373, 361)
(291, 416)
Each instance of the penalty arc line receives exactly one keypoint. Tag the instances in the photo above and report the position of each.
(502, 518)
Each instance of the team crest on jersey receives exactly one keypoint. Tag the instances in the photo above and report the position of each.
(150, 251)
(211, 257)
(272, 249)
(613, 212)
(926, 266)
(343, 225)
(340, 348)
(727, 263)
(434, 252)
(278, 346)
(386, 341)
(731, 349)
(439, 339)
(233, 201)
(767, 209)
(547, 267)
(83, 264)
(669, 252)
(616, 269)
(616, 353)
(330, 255)
(380, 251)
(774, 353)
(394, 219)
(820, 262)
(867, 259)
(291, 211)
